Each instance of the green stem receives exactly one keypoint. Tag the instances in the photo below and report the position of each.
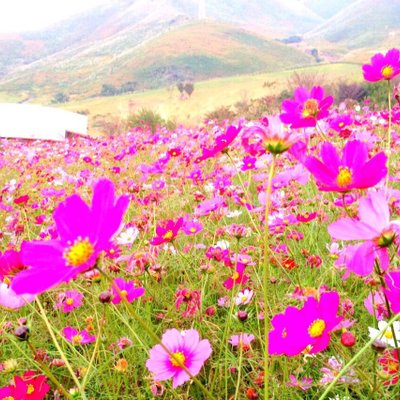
(389, 133)
(266, 274)
(48, 373)
(247, 197)
(96, 348)
(62, 355)
(153, 336)
(355, 358)
(239, 368)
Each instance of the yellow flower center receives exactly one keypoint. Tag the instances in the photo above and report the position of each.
(177, 359)
(317, 328)
(30, 389)
(77, 339)
(168, 235)
(388, 334)
(69, 301)
(9, 398)
(7, 281)
(310, 108)
(193, 229)
(244, 298)
(235, 275)
(344, 177)
(341, 124)
(79, 253)
(123, 293)
(284, 333)
(387, 71)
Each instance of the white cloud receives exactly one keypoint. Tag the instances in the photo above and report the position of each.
(25, 15)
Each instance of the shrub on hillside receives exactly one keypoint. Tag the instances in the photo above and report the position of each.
(350, 91)
(377, 92)
(221, 114)
(148, 118)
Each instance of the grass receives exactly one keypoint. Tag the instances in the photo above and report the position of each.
(114, 373)
(207, 96)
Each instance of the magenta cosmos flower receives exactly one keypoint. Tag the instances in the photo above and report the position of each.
(126, 289)
(69, 301)
(382, 67)
(221, 143)
(308, 328)
(352, 171)
(185, 349)
(374, 227)
(167, 231)
(306, 108)
(84, 233)
(392, 290)
(78, 337)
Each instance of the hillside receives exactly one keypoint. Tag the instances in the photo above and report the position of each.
(207, 96)
(193, 51)
(362, 24)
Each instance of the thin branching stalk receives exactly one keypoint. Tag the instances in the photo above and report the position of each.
(59, 349)
(266, 275)
(355, 358)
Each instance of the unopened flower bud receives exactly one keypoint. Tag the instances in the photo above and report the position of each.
(22, 333)
(105, 297)
(348, 339)
(242, 315)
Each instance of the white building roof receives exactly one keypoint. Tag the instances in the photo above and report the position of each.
(30, 121)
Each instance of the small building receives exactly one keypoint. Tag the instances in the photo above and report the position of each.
(30, 121)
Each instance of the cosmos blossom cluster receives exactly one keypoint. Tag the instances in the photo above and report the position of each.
(122, 239)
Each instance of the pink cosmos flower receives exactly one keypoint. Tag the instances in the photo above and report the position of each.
(221, 143)
(191, 226)
(10, 264)
(84, 233)
(309, 327)
(352, 171)
(382, 67)
(304, 384)
(77, 337)
(190, 298)
(306, 108)
(126, 289)
(374, 227)
(243, 340)
(340, 122)
(11, 301)
(331, 371)
(69, 301)
(185, 348)
(376, 306)
(166, 232)
(269, 134)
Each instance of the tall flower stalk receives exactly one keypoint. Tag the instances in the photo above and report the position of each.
(271, 136)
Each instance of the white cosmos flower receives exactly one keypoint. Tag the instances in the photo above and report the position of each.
(244, 297)
(128, 237)
(386, 332)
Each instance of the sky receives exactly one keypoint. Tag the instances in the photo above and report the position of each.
(25, 15)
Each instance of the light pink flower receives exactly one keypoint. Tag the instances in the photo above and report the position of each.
(185, 349)
(374, 227)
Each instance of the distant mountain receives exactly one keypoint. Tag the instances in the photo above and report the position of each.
(362, 24)
(328, 8)
(193, 51)
(107, 42)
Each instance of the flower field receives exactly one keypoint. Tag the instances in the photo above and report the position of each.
(252, 260)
